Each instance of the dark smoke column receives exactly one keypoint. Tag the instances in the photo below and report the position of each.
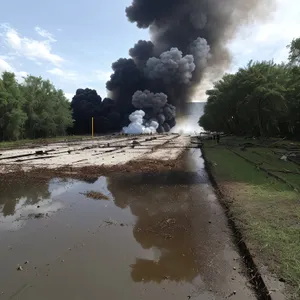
(188, 37)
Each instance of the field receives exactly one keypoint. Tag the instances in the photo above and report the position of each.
(260, 184)
(115, 217)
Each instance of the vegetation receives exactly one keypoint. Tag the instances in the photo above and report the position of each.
(40, 141)
(262, 99)
(32, 109)
(261, 191)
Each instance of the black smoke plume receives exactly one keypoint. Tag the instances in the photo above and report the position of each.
(188, 38)
(87, 104)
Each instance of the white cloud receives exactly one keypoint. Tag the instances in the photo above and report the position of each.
(30, 48)
(63, 74)
(44, 33)
(268, 41)
(20, 75)
(69, 96)
(103, 76)
(5, 66)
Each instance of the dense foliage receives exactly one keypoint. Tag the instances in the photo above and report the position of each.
(32, 109)
(262, 99)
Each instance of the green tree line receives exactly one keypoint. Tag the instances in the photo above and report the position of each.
(261, 99)
(32, 109)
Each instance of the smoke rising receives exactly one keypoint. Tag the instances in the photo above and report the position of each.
(170, 67)
(155, 109)
(138, 125)
(188, 37)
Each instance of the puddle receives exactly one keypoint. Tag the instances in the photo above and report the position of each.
(152, 236)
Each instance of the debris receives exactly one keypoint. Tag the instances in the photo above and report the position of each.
(36, 216)
(40, 152)
(96, 195)
(20, 268)
(26, 262)
(136, 143)
(284, 158)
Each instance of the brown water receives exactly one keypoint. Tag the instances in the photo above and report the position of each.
(157, 237)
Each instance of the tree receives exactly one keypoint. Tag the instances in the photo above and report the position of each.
(47, 109)
(32, 109)
(253, 101)
(12, 117)
(294, 56)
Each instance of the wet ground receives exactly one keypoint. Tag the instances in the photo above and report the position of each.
(150, 236)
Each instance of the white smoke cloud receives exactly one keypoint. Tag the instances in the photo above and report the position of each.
(201, 52)
(171, 66)
(138, 125)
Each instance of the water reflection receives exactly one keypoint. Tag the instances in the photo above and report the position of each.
(164, 211)
(22, 200)
(25, 191)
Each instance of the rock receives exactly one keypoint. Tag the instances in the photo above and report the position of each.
(26, 262)
(234, 268)
(281, 279)
(19, 268)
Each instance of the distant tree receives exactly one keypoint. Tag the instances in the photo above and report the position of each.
(32, 109)
(48, 110)
(294, 47)
(12, 118)
(262, 99)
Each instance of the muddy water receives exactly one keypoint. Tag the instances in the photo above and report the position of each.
(152, 237)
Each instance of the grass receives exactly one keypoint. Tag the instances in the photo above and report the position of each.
(27, 142)
(266, 210)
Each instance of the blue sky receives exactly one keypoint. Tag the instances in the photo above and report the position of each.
(74, 43)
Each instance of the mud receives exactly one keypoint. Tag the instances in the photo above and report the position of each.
(103, 151)
(160, 235)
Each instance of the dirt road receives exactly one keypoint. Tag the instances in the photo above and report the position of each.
(148, 236)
